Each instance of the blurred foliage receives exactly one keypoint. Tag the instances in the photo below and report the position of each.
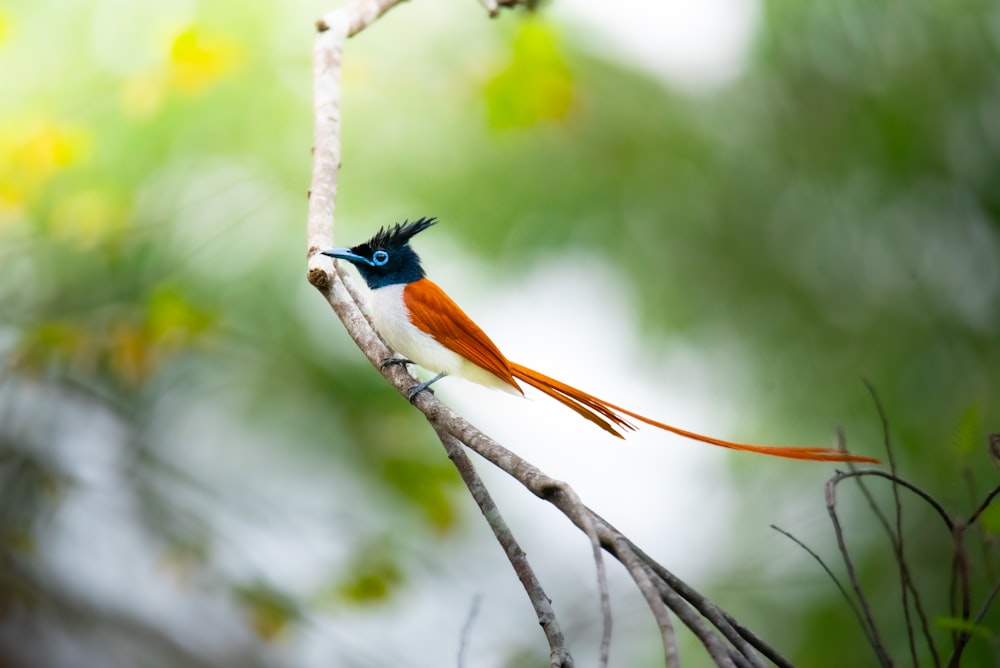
(833, 213)
(535, 86)
(269, 611)
(372, 577)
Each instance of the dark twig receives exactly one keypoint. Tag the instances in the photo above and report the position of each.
(981, 615)
(956, 655)
(906, 586)
(847, 597)
(467, 629)
(831, 507)
(960, 568)
(961, 575)
(931, 501)
(982, 534)
(974, 517)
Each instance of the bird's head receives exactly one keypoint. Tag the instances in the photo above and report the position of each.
(386, 258)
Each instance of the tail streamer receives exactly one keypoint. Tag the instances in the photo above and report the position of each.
(613, 419)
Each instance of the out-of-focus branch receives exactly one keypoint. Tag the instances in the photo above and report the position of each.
(960, 617)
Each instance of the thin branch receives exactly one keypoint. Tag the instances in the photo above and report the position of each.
(974, 517)
(653, 599)
(931, 501)
(960, 571)
(602, 572)
(831, 507)
(685, 612)
(558, 653)
(906, 584)
(684, 601)
(960, 565)
(463, 642)
(847, 597)
(981, 615)
(742, 639)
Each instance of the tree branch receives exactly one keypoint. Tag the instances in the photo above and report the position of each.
(559, 656)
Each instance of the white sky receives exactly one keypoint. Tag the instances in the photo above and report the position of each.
(693, 44)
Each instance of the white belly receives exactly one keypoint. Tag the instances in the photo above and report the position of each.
(392, 321)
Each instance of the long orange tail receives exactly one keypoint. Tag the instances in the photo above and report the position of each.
(611, 418)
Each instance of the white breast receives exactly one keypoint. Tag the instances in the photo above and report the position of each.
(392, 320)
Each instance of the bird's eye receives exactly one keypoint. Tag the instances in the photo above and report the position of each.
(379, 258)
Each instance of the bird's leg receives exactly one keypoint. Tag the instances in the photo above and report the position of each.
(417, 389)
(395, 361)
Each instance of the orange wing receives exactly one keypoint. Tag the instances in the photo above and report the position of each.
(434, 312)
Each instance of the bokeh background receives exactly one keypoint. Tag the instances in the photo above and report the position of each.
(725, 214)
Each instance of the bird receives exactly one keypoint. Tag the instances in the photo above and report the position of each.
(419, 321)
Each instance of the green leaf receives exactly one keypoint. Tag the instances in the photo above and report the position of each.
(966, 438)
(536, 85)
(964, 626)
(989, 519)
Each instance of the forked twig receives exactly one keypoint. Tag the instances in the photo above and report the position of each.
(896, 539)
(960, 581)
(831, 508)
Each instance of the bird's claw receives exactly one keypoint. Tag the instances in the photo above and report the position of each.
(412, 393)
(394, 361)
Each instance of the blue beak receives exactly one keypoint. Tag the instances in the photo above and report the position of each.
(346, 254)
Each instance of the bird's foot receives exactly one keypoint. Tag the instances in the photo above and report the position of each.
(412, 393)
(394, 361)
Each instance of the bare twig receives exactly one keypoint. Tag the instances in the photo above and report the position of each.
(831, 507)
(974, 517)
(558, 653)
(962, 636)
(463, 642)
(742, 639)
(930, 500)
(847, 597)
(602, 572)
(652, 595)
(906, 585)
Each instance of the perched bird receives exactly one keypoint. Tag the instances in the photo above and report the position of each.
(418, 320)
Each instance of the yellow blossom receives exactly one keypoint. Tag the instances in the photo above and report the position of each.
(198, 60)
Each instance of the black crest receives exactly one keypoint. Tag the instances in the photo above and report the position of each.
(399, 234)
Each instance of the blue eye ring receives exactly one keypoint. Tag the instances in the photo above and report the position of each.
(379, 258)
